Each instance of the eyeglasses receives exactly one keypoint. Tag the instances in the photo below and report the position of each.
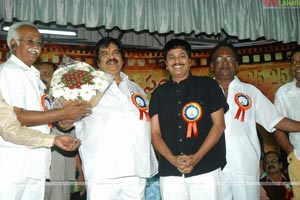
(228, 59)
(273, 161)
(295, 62)
(32, 43)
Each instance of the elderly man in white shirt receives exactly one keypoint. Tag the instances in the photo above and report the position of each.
(23, 171)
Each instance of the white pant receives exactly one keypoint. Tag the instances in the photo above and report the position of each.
(205, 187)
(237, 187)
(27, 189)
(126, 188)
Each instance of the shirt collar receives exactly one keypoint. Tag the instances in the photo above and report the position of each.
(124, 76)
(294, 84)
(183, 81)
(292, 87)
(23, 66)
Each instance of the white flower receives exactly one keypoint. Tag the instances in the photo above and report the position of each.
(83, 67)
(57, 90)
(70, 94)
(97, 73)
(87, 92)
(68, 83)
(100, 84)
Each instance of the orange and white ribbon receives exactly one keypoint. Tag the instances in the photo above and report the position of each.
(191, 113)
(244, 103)
(47, 105)
(140, 102)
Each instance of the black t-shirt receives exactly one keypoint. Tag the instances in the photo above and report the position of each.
(167, 101)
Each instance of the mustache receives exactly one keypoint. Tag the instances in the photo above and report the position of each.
(33, 50)
(176, 64)
(113, 60)
(271, 167)
(225, 67)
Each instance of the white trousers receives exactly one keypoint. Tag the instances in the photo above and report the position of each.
(27, 189)
(125, 188)
(237, 187)
(205, 187)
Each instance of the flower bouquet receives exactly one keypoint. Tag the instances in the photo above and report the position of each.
(75, 80)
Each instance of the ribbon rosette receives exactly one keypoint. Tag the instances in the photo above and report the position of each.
(140, 102)
(244, 102)
(191, 113)
(78, 81)
(47, 105)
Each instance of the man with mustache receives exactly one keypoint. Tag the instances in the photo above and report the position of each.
(116, 150)
(187, 121)
(287, 103)
(247, 106)
(275, 182)
(23, 171)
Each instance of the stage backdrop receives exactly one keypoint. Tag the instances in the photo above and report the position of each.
(266, 67)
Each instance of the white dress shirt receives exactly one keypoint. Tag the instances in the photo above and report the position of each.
(287, 102)
(21, 87)
(243, 150)
(114, 141)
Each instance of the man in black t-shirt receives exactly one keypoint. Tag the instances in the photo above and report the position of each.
(187, 121)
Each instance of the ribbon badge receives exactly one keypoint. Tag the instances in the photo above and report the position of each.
(47, 105)
(140, 102)
(244, 102)
(191, 113)
(46, 102)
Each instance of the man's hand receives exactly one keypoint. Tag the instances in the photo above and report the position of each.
(64, 125)
(76, 109)
(184, 163)
(66, 142)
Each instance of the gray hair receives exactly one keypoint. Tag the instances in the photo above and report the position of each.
(14, 34)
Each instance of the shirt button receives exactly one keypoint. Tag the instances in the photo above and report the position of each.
(179, 102)
(179, 126)
(178, 114)
(181, 153)
(180, 140)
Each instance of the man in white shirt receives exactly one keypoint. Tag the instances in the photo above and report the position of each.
(116, 150)
(287, 103)
(23, 171)
(247, 106)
